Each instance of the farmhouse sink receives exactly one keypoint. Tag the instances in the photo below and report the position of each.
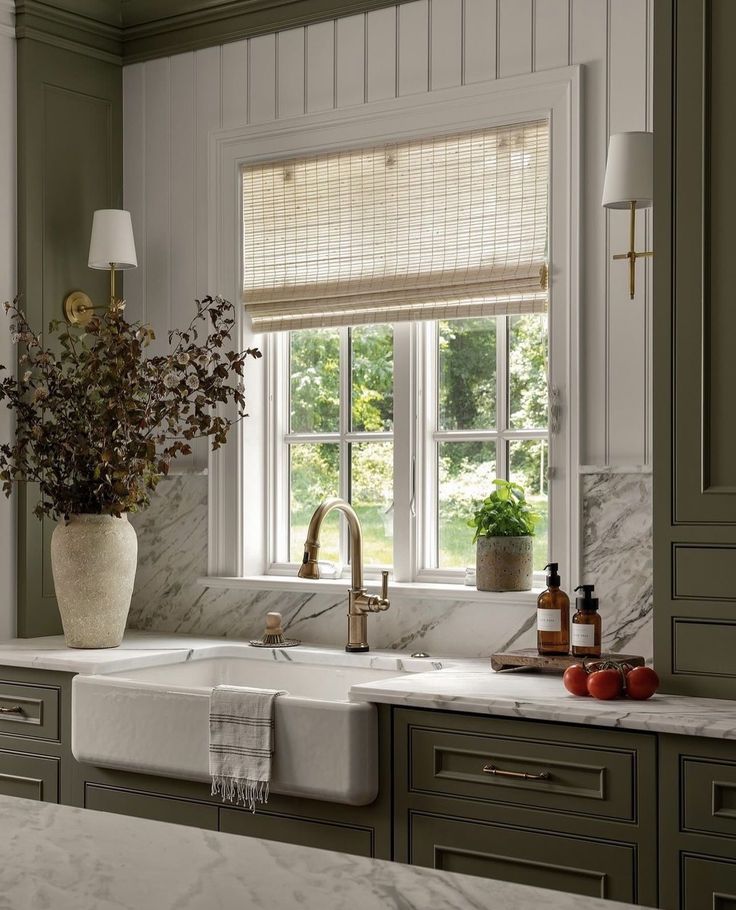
(155, 720)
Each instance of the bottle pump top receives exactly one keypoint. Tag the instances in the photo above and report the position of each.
(587, 601)
(553, 579)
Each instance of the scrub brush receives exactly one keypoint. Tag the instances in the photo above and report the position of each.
(273, 637)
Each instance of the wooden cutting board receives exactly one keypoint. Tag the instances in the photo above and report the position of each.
(529, 659)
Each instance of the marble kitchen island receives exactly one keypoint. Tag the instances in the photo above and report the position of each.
(77, 859)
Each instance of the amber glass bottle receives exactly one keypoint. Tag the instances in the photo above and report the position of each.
(586, 624)
(553, 616)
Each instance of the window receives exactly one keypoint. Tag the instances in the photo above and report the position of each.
(341, 251)
(298, 239)
(484, 384)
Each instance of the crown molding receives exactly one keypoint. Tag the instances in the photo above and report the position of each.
(128, 31)
(89, 27)
(150, 29)
(7, 18)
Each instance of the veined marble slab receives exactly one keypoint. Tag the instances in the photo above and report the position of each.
(537, 697)
(77, 859)
(617, 557)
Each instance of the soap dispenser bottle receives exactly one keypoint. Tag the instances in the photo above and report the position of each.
(553, 616)
(586, 624)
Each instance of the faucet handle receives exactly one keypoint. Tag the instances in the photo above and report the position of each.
(384, 585)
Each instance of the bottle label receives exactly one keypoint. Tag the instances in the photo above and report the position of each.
(583, 635)
(549, 620)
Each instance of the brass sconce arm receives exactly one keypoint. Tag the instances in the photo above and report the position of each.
(632, 255)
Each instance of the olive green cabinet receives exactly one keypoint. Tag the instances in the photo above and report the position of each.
(698, 823)
(552, 805)
(694, 341)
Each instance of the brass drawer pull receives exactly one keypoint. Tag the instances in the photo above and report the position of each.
(16, 709)
(523, 775)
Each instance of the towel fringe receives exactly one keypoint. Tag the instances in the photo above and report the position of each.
(239, 791)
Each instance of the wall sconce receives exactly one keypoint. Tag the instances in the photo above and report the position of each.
(628, 185)
(112, 247)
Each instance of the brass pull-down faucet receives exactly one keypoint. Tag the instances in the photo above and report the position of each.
(360, 603)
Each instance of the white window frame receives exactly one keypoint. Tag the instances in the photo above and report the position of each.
(241, 524)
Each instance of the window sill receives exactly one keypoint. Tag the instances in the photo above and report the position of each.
(398, 589)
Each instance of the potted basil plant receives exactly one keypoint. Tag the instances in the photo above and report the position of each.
(504, 527)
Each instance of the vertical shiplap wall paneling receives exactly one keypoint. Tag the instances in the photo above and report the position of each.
(551, 33)
(589, 46)
(290, 72)
(626, 331)
(413, 53)
(515, 37)
(134, 182)
(446, 43)
(234, 83)
(320, 67)
(172, 105)
(262, 79)
(380, 47)
(157, 201)
(350, 60)
(479, 40)
(182, 171)
(207, 117)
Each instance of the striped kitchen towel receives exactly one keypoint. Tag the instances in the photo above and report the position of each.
(242, 743)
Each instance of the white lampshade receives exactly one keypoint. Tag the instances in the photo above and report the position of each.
(112, 240)
(629, 171)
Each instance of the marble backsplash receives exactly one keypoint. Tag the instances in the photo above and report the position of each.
(617, 557)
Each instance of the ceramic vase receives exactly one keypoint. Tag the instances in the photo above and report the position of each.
(504, 564)
(94, 558)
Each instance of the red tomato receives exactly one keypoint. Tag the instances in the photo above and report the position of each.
(641, 683)
(605, 684)
(575, 680)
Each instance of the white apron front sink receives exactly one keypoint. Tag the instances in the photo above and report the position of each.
(155, 720)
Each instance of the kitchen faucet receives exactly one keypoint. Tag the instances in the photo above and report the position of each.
(360, 603)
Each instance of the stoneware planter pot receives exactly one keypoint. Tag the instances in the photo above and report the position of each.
(94, 558)
(504, 564)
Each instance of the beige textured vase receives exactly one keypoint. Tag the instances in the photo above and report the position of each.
(504, 564)
(94, 558)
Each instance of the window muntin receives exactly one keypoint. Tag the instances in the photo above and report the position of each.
(484, 387)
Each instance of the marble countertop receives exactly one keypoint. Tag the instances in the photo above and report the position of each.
(77, 859)
(462, 685)
(542, 697)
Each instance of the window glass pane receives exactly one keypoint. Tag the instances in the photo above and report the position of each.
(528, 371)
(372, 498)
(466, 471)
(313, 474)
(467, 374)
(315, 381)
(372, 360)
(528, 466)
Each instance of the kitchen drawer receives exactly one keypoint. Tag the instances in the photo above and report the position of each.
(570, 771)
(708, 795)
(707, 884)
(145, 805)
(305, 832)
(29, 711)
(29, 776)
(524, 856)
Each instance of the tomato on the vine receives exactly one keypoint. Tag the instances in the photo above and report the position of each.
(606, 684)
(641, 683)
(575, 680)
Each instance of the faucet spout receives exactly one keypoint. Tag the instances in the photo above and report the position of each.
(360, 603)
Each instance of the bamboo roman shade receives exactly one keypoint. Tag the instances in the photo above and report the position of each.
(425, 229)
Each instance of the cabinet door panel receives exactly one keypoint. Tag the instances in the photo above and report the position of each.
(29, 776)
(146, 805)
(304, 832)
(708, 884)
(524, 856)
